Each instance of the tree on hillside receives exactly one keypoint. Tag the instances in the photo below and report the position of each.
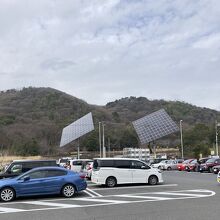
(197, 141)
(26, 148)
(128, 138)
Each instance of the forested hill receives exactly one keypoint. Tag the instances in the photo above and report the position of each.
(31, 120)
(132, 108)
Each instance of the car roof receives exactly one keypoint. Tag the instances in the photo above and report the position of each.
(81, 160)
(109, 158)
(26, 161)
(49, 168)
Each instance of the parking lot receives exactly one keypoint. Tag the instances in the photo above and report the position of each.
(182, 196)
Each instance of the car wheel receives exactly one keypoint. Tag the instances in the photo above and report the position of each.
(7, 194)
(169, 168)
(153, 180)
(68, 191)
(111, 181)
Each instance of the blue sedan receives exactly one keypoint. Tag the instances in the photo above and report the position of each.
(42, 181)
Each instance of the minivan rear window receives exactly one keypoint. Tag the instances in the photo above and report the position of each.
(95, 164)
(103, 163)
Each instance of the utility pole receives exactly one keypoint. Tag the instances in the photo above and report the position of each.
(78, 151)
(181, 137)
(103, 140)
(216, 136)
(109, 152)
(100, 140)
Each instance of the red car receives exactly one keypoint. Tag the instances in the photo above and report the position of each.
(195, 164)
(182, 166)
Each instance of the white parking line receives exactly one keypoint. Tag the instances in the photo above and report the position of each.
(145, 197)
(95, 193)
(88, 193)
(3, 209)
(98, 201)
(135, 187)
(51, 204)
(181, 194)
(103, 200)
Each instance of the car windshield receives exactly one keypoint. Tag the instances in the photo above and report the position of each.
(63, 160)
(164, 161)
(212, 160)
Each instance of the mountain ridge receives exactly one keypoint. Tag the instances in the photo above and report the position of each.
(35, 117)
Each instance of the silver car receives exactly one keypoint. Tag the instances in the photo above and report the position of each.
(170, 165)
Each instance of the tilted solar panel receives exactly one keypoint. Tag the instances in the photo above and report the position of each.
(154, 126)
(77, 129)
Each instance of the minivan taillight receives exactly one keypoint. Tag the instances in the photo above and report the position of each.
(82, 176)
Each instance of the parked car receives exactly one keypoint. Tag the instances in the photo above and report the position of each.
(62, 161)
(216, 169)
(113, 171)
(88, 169)
(160, 164)
(78, 165)
(195, 164)
(181, 166)
(203, 160)
(218, 177)
(42, 181)
(155, 161)
(171, 165)
(209, 164)
(18, 167)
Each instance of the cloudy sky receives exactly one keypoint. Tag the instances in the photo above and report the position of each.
(102, 50)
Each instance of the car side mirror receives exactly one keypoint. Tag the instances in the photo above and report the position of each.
(26, 178)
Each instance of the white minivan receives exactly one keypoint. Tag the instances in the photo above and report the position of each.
(77, 165)
(113, 171)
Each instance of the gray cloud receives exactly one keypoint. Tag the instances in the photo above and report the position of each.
(105, 50)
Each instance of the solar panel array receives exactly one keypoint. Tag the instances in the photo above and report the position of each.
(77, 129)
(154, 126)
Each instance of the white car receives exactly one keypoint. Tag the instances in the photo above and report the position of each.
(62, 161)
(170, 165)
(218, 177)
(78, 165)
(88, 169)
(113, 171)
(159, 165)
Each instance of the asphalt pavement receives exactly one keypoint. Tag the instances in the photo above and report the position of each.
(182, 196)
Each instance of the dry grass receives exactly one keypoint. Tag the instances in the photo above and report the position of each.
(8, 159)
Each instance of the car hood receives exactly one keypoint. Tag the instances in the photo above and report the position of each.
(7, 181)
